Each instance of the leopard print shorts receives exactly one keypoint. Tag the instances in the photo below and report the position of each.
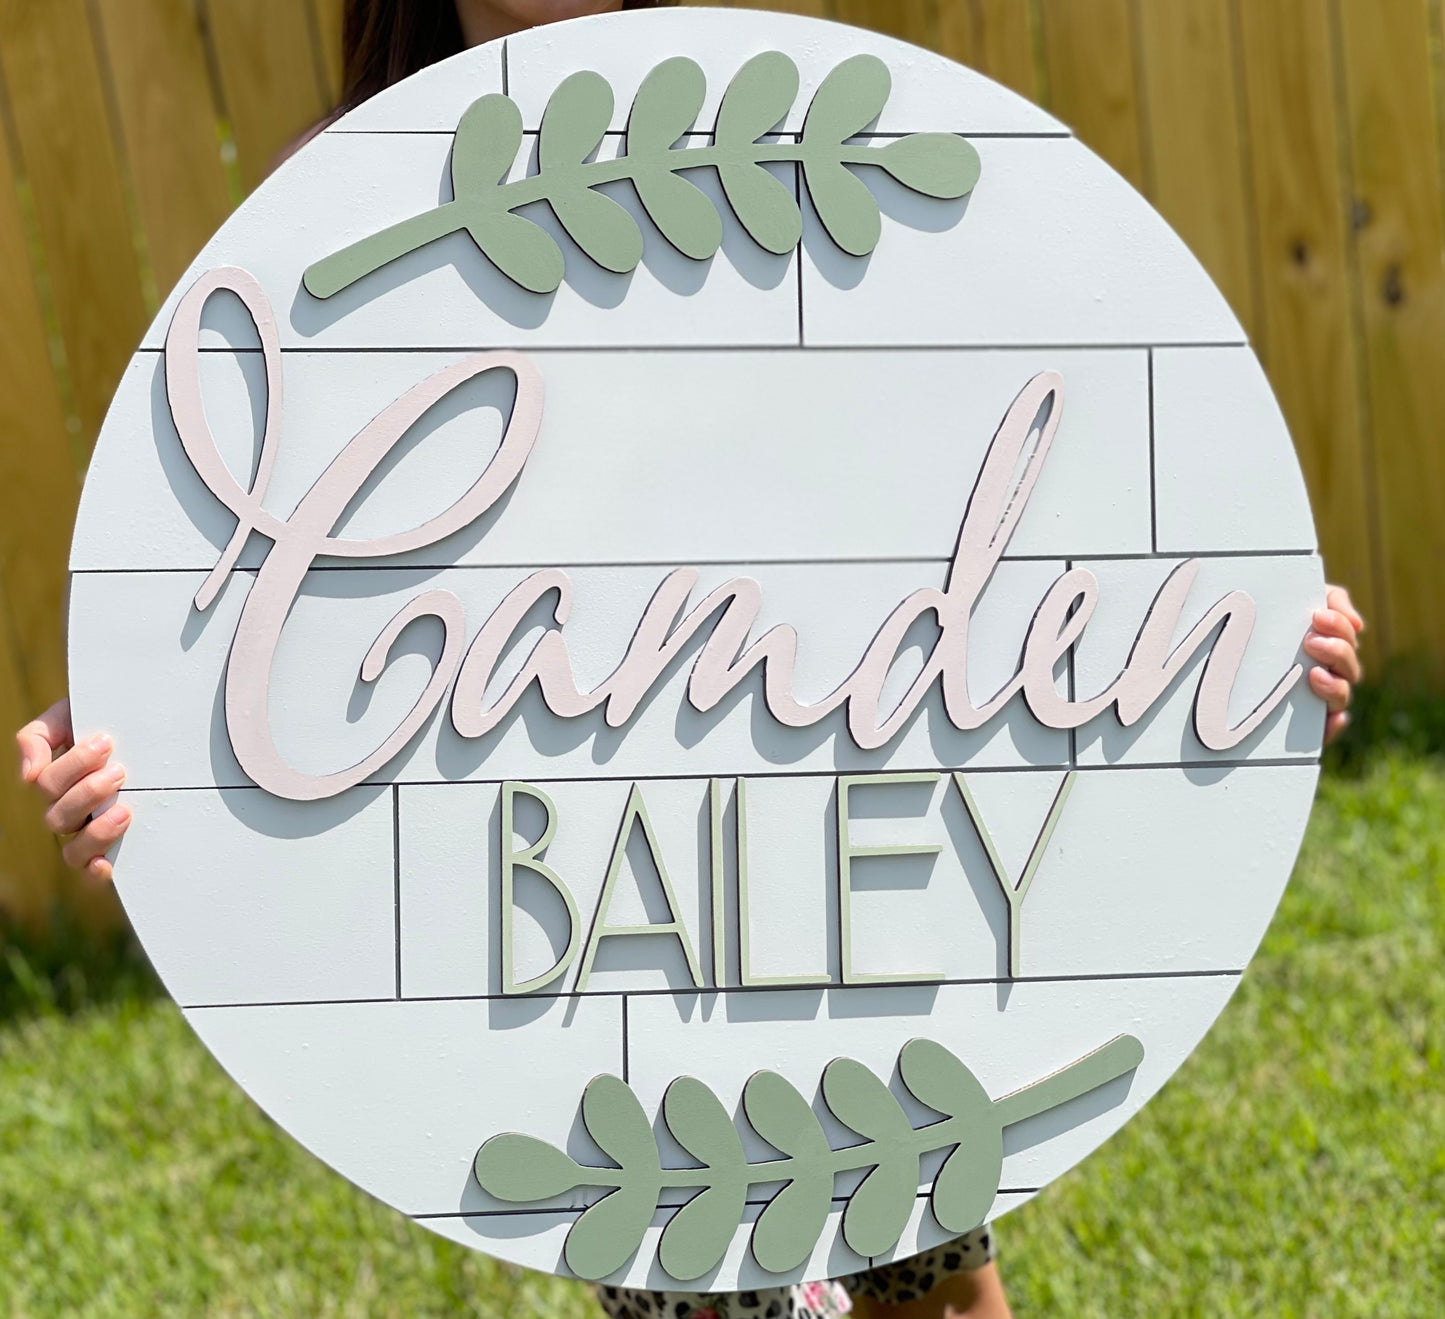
(893, 1284)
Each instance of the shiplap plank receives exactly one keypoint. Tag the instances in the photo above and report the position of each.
(268, 78)
(1114, 894)
(1089, 53)
(168, 121)
(1399, 240)
(69, 157)
(1224, 470)
(607, 481)
(400, 1095)
(996, 37)
(1196, 156)
(329, 721)
(1044, 205)
(1305, 330)
(1285, 591)
(1007, 1039)
(293, 904)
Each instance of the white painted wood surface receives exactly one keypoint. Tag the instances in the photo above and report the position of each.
(813, 421)
(1219, 483)
(613, 484)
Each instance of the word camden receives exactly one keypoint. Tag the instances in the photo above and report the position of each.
(722, 621)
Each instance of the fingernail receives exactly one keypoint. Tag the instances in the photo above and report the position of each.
(25, 766)
(120, 814)
(100, 743)
(117, 774)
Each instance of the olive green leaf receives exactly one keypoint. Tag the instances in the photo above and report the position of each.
(488, 137)
(574, 121)
(878, 1210)
(790, 1225)
(935, 164)
(666, 106)
(965, 1187)
(698, 1235)
(523, 252)
(850, 98)
(518, 1168)
(756, 101)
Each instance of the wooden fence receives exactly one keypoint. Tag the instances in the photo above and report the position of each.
(1297, 146)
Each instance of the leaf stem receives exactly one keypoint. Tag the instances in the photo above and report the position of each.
(341, 269)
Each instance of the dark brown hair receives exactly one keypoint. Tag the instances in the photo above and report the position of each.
(384, 41)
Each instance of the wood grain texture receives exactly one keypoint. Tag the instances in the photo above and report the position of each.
(1195, 154)
(168, 124)
(1400, 235)
(1304, 331)
(30, 867)
(327, 27)
(37, 471)
(1093, 81)
(996, 37)
(68, 154)
(269, 82)
(909, 20)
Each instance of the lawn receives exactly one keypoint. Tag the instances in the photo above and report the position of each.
(1294, 1167)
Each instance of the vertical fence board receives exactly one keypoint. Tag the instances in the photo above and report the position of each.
(1399, 239)
(69, 157)
(1093, 82)
(29, 864)
(1195, 157)
(995, 37)
(910, 20)
(268, 78)
(38, 481)
(328, 30)
(1304, 333)
(168, 124)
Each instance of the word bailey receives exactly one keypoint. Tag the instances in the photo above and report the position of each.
(725, 617)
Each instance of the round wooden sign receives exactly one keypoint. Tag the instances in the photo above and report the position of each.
(703, 609)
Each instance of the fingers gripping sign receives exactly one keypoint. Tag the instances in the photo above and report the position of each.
(79, 783)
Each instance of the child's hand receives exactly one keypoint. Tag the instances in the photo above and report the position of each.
(75, 781)
(1334, 641)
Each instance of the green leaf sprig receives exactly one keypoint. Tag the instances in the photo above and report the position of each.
(666, 107)
(520, 1168)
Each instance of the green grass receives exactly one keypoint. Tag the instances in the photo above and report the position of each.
(1294, 1167)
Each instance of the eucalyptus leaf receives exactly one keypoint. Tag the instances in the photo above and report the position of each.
(520, 249)
(850, 98)
(878, 1210)
(695, 1240)
(681, 211)
(789, 1227)
(488, 137)
(758, 98)
(608, 1234)
(844, 204)
(764, 207)
(600, 227)
(616, 1121)
(666, 105)
(517, 1167)
(936, 164)
(936, 1078)
(701, 1125)
(574, 121)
